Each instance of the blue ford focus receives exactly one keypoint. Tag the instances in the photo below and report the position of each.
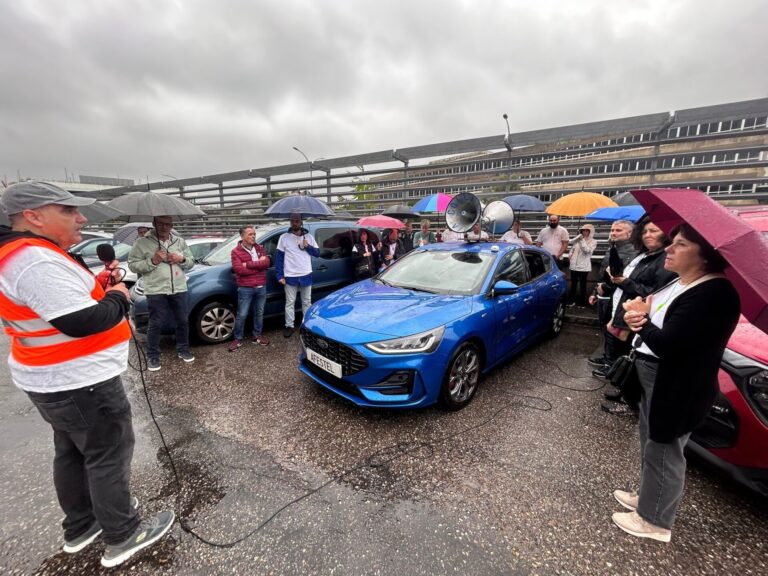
(426, 329)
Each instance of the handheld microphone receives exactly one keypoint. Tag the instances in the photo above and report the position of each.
(105, 253)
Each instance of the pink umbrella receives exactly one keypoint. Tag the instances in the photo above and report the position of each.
(380, 222)
(743, 247)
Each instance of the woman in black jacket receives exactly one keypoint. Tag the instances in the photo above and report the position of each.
(365, 257)
(683, 330)
(643, 275)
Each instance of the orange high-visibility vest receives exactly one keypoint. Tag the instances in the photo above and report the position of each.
(35, 342)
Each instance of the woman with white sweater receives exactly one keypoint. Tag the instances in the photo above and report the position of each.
(580, 258)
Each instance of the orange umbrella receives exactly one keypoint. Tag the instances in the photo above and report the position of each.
(579, 204)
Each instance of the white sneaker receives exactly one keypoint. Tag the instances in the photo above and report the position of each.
(626, 499)
(633, 523)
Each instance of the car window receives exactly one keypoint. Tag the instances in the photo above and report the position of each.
(440, 271)
(222, 254)
(537, 264)
(270, 246)
(122, 251)
(512, 269)
(334, 242)
(199, 250)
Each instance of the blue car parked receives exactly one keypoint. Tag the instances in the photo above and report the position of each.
(425, 330)
(211, 288)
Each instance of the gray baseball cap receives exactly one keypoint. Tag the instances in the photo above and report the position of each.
(29, 195)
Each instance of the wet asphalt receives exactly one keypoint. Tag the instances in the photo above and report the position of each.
(519, 482)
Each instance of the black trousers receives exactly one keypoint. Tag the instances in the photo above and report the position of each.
(93, 441)
(578, 293)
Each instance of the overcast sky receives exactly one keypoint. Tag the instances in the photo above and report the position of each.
(141, 88)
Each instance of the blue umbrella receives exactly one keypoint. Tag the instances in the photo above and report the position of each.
(525, 203)
(297, 204)
(631, 213)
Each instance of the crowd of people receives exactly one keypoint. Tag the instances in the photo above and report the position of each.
(662, 299)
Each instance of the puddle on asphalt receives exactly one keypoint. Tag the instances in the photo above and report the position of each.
(199, 486)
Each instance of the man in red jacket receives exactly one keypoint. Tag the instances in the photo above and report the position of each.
(249, 263)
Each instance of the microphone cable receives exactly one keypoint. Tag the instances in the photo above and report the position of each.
(376, 459)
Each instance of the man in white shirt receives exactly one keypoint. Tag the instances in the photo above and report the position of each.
(69, 347)
(477, 234)
(449, 235)
(516, 235)
(553, 238)
(293, 268)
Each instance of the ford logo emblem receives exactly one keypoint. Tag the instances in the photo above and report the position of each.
(322, 344)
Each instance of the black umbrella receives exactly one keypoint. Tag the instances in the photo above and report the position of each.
(306, 206)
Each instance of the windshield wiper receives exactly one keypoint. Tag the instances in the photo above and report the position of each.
(419, 289)
(384, 282)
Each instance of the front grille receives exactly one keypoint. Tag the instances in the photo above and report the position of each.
(351, 361)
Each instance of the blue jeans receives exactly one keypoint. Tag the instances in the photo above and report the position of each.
(93, 442)
(253, 300)
(160, 307)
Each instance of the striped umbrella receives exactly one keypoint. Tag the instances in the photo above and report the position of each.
(433, 203)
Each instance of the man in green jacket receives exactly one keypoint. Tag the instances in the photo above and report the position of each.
(161, 257)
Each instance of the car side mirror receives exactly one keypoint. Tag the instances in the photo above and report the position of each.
(504, 287)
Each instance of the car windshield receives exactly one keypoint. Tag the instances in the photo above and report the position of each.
(222, 254)
(440, 271)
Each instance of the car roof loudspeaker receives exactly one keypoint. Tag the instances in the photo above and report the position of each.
(463, 212)
(498, 217)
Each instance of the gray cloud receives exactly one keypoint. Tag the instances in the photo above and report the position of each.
(142, 88)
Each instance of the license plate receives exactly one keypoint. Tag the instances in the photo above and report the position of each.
(323, 362)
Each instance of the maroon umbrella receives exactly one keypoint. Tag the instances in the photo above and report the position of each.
(380, 222)
(743, 247)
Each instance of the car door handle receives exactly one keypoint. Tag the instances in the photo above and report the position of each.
(322, 268)
(527, 300)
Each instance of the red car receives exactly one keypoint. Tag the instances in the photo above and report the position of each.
(734, 436)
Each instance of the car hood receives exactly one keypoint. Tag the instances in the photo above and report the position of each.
(390, 311)
(750, 341)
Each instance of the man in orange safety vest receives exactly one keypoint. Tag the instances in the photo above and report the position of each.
(69, 345)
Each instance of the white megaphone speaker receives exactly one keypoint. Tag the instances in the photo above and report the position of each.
(498, 217)
(463, 212)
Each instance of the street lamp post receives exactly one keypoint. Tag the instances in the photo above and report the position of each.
(309, 164)
(508, 146)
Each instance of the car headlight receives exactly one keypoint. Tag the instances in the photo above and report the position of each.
(757, 388)
(422, 342)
